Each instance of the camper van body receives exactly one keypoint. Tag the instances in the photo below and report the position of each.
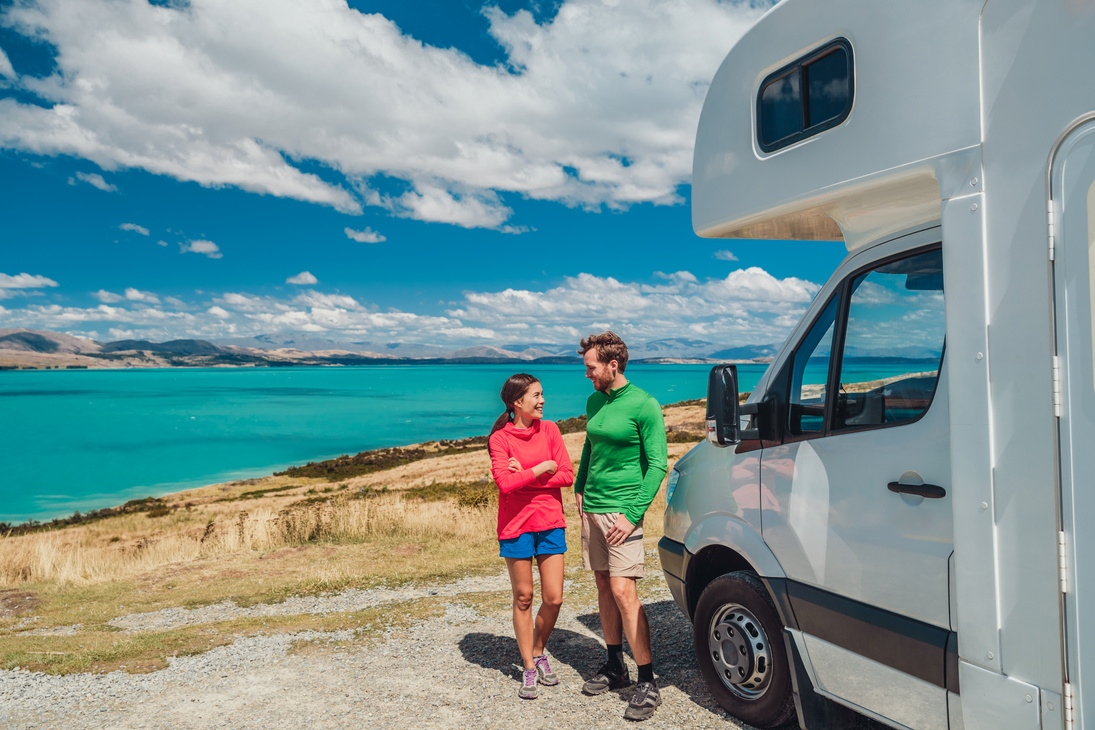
(919, 543)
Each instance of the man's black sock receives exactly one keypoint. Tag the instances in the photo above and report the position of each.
(646, 672)
(616, 657)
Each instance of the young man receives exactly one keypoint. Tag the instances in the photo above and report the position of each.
(623, 464)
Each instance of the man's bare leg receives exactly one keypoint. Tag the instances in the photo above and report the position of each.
(611, 624)
(632, 616)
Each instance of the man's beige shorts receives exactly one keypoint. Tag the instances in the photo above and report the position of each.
(621, 561)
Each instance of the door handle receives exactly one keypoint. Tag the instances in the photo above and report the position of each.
(927, 491)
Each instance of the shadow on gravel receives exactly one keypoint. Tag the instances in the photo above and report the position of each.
(671, 648)
(671, 644)
(501, 653)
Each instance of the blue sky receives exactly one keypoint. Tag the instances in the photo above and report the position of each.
(442, 172)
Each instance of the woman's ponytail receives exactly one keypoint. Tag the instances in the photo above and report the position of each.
(501, 422)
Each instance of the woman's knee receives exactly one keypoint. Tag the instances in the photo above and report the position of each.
(552, 600)
(522, 601)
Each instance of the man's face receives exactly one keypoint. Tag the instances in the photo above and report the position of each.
(602, 374)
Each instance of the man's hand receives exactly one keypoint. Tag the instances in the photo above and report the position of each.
(620, 531)
(578, 501)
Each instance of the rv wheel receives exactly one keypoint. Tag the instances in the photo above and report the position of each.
(740, 650)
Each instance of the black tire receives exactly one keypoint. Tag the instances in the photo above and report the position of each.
(739, 647)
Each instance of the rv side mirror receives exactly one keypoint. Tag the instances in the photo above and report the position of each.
(722, 405)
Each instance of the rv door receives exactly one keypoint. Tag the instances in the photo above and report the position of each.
(1072, 186)
(862, 519)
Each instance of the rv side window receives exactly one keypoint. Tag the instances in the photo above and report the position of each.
(893, 343)
(809, 374)
(805, 97)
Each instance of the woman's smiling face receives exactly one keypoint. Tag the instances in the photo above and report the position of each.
(531, 405)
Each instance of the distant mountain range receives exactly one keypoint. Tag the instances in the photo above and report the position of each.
(37, 348)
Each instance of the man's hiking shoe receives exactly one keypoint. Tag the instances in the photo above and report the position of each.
(548, 678)
(643, 703)
(528, 689)
(607, 677)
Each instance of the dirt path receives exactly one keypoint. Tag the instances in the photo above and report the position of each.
(458, 668)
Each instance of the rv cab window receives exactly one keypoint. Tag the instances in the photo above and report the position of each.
(809, 375)
(893, 343)
(805, 97)
(872, 357)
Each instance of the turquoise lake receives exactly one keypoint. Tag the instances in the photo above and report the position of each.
(87, 439)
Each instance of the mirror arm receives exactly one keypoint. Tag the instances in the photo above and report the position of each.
(750, 409)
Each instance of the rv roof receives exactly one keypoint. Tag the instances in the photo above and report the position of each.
(910, 140)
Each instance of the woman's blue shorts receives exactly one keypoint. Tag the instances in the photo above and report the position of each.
(528, 544)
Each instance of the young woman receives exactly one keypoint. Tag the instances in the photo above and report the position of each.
(530, 464)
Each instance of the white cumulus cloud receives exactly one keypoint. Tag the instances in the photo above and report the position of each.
(747, 306)
(305, 278)
(596, 106)
(366, 236)
(144, 297)
(25, 281)
(208, 248)
(6, 69)
(93, 179)
(725, 255)
(135, 228)
(107, 297)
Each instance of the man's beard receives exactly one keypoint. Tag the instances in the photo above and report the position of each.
(602, 385)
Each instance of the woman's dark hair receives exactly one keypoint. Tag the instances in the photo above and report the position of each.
(513, 390)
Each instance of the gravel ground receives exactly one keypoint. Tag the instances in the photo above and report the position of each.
(459, 669)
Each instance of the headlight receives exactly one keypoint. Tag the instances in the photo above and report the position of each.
(671, 484)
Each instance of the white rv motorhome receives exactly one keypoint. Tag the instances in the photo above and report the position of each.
(910, 548)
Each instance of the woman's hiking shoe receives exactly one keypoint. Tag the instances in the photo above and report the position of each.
(606, 678)
(548, 678)
(528, 689)
(643, 703)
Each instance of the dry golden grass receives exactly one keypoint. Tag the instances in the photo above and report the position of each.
(80, 556)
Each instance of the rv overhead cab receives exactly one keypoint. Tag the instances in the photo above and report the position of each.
(889, 526)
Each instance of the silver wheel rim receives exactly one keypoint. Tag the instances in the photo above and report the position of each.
(740, 651)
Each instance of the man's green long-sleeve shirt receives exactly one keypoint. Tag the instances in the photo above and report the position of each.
(625, 455)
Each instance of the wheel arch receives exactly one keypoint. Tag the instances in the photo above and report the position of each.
(722, 544)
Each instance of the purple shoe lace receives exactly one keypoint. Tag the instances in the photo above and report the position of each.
(543, 669)
(528, 689)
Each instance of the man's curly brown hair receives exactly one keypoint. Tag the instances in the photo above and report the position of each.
(609, 347)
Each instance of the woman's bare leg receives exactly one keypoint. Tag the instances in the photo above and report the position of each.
(551, 595)
(520, 580)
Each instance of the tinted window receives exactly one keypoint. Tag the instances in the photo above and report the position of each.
(781, 108)
(806, 97)
(893, 344)
(809, 375)
(829, 87)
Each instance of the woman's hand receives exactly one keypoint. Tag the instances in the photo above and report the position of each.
(514, 465)
(547, 466)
